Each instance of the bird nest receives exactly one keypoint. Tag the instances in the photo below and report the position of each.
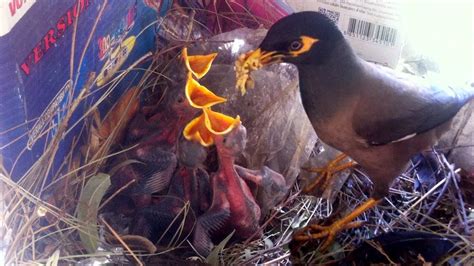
(44, 219)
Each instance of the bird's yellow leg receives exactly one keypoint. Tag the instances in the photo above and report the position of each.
(325, 173)
(315, 231)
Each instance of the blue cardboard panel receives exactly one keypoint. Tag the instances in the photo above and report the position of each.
(36, 81)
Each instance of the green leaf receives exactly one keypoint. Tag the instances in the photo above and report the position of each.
(213, 258)
(87, 209)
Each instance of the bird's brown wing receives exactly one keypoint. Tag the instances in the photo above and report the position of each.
(395, 106)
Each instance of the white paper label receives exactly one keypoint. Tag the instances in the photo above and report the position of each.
(11, 11)
(371, 27)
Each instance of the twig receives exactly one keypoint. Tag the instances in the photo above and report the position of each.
(115, 194)
(274, 261)
(467, 229)
(427, 194)
(121, 241)
(438, 198)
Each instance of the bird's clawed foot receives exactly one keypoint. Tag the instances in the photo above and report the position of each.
(315, 231)
(326, 173)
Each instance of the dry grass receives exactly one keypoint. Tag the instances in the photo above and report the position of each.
(39, 215)
(440, 210)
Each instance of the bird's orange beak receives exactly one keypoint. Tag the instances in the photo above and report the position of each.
(199, 96)
(250, 61)
(198, 65)
(204, 127)
(259, 58)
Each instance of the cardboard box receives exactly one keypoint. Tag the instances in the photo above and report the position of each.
(37, 80)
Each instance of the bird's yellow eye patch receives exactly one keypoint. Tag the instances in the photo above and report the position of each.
(306, 45)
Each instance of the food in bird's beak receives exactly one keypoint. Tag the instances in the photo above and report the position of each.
(198, 65)
(250, 61)
(246, 62)
(199, 96)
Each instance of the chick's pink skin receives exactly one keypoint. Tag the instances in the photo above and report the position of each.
(230, 190)
(233, 206)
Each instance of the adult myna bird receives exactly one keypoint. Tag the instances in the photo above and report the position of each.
(376, 116)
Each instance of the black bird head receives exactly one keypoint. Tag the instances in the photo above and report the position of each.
(300, 38)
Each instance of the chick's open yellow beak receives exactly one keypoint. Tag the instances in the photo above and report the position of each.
(199, 96)
(198, 65)
(196, 131)
(203, 128)
(219, 123)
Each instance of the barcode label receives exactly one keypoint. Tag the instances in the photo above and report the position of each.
(332, 15)
(365, 30)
